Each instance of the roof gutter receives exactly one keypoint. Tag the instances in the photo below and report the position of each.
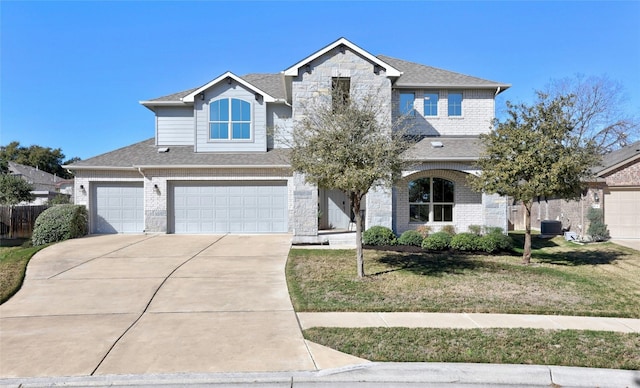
(201, 166)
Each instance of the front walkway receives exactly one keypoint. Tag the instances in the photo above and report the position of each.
(467, 321)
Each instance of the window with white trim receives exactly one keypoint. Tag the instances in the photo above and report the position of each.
(431, 200)
(431, 103)
(230, 119)
(455, 103)
(406, 104)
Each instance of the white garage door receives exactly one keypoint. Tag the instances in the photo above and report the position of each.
(622, 213)
(230, 207)
(119, 208)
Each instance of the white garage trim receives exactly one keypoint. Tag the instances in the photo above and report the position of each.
(228, 207)
(622, 212)
(118, 207)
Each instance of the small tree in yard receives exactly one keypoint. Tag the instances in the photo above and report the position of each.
(14, 190)
(350, 145)
(534, 153)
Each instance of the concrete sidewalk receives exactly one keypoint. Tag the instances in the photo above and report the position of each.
(416, 374)
(467, 321)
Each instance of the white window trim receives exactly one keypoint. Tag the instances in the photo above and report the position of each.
(431, 204)
(230, 139)
(461, 115)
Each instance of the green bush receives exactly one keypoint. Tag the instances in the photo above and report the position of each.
(60, 222)
(495, 242)
(494, 230)
(438, 241)
(475, 229)
(379, 235)
(597, 228)
(465, 242)
(411, 237)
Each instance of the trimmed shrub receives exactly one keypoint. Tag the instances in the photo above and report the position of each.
(60, 222)
(424, 230)
(378, 235)
(475, 229)
(465, 242)
(597, 228)
(449, 229)
(438, 241)
(493, 230)
(411, 237)
(495, 242)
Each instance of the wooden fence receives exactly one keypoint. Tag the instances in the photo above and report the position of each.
(17, 222)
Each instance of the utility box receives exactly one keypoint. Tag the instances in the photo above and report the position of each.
(550, 227)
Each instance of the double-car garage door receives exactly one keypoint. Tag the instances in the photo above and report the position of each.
(195, 207)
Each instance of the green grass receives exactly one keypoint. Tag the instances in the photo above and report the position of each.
(592, 349)
(563, 279)
(13, 264)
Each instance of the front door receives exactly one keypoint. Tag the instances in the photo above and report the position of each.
(335, 209)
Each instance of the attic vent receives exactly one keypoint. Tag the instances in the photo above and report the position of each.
(437, 144)
(163, 149)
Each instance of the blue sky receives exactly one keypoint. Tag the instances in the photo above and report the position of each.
(72, 73)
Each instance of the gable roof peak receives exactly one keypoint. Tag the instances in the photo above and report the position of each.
(227, 76)
(344, 42)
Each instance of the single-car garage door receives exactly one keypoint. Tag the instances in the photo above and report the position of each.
(119, 208)
(230, 207)
(622, 213)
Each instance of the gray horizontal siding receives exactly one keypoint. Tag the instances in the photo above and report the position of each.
(174, 125)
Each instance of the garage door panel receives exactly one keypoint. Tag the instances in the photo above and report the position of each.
(232, 207)
(119, 208)
(622, 213)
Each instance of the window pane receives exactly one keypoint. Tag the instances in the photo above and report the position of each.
(442, 190)
(455, 104)
(419, 190)
(240, 110)
(241, 131)
(214, 111)
(443, 213)
(418, 213)
(340, 88)
(219, 131)
(431, 104)
(406, 103)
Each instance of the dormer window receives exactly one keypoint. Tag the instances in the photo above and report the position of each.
(230, 119)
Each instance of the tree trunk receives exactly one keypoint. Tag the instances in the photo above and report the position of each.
(526, 254)
(355, 204)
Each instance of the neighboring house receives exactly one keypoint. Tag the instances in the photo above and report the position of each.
(615, 189)
(45, 186)
(215, 165)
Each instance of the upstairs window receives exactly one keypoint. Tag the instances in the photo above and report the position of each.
(406, 104)
(431, 200)
(340, 88)
(230, 119)
(431, 104)
(455, 103)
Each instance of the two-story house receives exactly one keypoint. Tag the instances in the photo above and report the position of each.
(215, 164)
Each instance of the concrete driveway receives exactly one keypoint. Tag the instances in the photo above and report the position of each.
(137, 304)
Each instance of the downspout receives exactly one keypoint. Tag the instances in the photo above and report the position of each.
(497, 91)
(141, 173)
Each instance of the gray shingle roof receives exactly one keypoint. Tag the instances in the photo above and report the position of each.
(417, 75)
(145, 154)
(174, 96)
(41, 180)
(272, 84)
(453, 149)
(619, 156)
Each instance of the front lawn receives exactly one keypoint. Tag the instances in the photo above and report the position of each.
(593, 349)
(563, 279)
(13, 264)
